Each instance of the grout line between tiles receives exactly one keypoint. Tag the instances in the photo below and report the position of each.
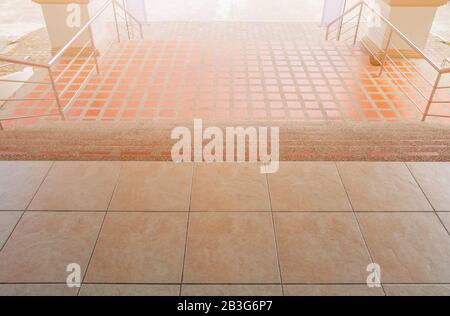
(92, 252)
(187, 228)
(28, 205)
(275, 235)
(357, 222)
(224, 211)
(226, 284)
(418, 184)
(101, 227)
(429, 202)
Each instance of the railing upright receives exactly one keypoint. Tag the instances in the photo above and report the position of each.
(94, 48)
(90, 44)
(386, 52)
(341, 23)
(55, 92)
(358, 23)
(431, 99)
(393, 30)
(116, 22)
(126, 19)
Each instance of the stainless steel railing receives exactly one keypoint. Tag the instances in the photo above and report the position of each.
(46, 67)
(430, 76)
(63, 62)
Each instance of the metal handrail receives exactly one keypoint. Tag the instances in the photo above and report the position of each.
(79, 33)
(128, 13)
(340, 18)
(405, 38)
(14, 61)
(392, 26)
(394, 30)
(48, 66)
(88, 25)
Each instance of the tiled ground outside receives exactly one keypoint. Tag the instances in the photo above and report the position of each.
(160, 228)
(229, 71)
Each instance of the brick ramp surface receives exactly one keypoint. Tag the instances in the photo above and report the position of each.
(409, 141)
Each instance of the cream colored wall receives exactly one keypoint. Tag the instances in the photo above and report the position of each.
(411, 17)
(441, 23)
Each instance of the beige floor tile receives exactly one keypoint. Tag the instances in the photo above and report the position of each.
(321, 248)
(417, 289)
(229, 187)
(307, 186)
(409, 247)
(19, 181)
(434, 179)
(231, 290)
(231, 248)
(37, 290)
(331, 290)
(129, 290)
(78, 186)
(382, 186)
(139, 248)
(44, 243)
(445, 217)
(153, 186)
(8, 221)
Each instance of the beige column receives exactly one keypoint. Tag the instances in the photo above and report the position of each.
(414, 18)
(58, 17)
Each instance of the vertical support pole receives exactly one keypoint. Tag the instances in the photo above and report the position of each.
(358, 23)
(115, 20)
(433, 93)
(141, 30)
(58, 101)
(342, 21)
(125, 12)
(328, 32)
(1, 126)
(386, 52)
(340, 28)
(95, 50)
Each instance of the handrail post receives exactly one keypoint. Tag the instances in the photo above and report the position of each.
(386, 52)
(431, 99)
(342, 20)
(126, 19)
(358, 23)
(341, 23)
(95, 50)
(115, 20)
(58, 101)
(132, 30)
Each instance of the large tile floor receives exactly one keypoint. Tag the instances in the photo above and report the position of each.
(160, 228)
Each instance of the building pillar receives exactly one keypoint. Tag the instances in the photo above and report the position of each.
(414, 18)
(61, 19)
